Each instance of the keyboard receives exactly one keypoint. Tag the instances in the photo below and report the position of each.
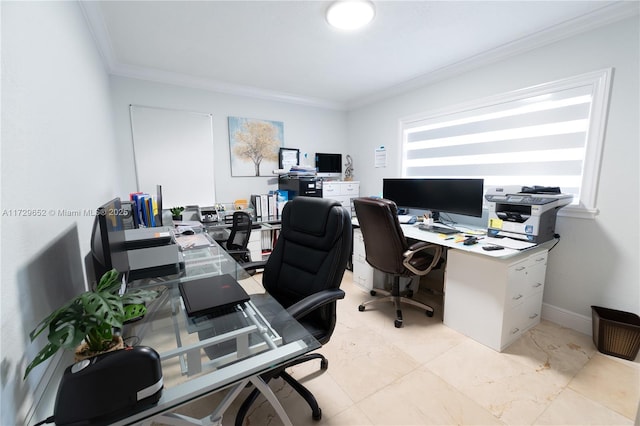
(438, 229)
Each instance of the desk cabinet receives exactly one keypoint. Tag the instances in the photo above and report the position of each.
(494, 301)
(255, 245)
(362, 271)
(342, 191)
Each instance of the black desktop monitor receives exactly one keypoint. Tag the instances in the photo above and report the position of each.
(107, 236)
(328, 165)
(457, 196)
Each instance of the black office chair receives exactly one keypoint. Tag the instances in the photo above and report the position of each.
(303, 273)
(236, 244)
(387, 250)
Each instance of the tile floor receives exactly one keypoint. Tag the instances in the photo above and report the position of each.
(428, 374)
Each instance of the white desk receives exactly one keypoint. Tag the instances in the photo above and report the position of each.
(492, 297)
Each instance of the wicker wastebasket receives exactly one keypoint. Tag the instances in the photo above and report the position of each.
(616, 332)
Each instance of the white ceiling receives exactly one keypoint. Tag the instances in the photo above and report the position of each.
(285, 49)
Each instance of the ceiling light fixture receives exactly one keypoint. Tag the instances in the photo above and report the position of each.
(350, 14)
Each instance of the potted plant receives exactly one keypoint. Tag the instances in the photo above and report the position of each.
(87, 322)
(176, 213)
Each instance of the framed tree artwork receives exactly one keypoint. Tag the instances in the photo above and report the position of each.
(254, 146)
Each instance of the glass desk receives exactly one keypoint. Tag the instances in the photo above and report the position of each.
(206, 355)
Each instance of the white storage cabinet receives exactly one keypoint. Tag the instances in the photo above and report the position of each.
(342, 191)
(494, 301)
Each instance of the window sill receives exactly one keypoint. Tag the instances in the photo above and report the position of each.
(578, 212)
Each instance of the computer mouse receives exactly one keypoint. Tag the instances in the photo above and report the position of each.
(470, 241)
(185, 230)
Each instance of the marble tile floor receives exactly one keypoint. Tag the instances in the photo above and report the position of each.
(428, 374)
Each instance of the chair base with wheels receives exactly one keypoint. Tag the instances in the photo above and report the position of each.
(316, 411)
(396, 296)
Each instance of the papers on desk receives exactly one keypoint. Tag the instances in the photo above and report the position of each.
(508, 243)
(407, 218)
(193, 241)
(194, 225)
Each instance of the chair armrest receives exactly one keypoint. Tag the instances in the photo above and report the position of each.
(314, 301)
(418, 245)
(417, 248)
(252, 266)
(232, 252)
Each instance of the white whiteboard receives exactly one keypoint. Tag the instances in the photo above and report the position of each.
(174, 149)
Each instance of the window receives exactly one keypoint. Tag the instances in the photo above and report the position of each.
(548, 135)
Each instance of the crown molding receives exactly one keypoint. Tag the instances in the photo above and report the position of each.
(604, 16)
(93, 15)
(183, 80)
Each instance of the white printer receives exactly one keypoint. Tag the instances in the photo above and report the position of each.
(528, 214)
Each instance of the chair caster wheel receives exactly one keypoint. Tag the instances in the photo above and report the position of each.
(317, 416)
(372, 292)
(398, 323)
(429, 314)
(361, 308)
(324, 364)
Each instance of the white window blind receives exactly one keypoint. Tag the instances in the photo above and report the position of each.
(548, 135)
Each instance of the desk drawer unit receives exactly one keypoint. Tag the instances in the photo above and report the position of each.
(362, 271)
(491, 300)
(342, 191)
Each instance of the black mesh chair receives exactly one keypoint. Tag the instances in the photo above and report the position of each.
(387, 250)
(236, 244)
(303, 273)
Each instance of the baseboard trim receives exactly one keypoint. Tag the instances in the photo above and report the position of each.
(567, 319)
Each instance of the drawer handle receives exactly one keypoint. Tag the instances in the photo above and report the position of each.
(521, 268)
(536, 285)
(540, 259)
(533, 316)
(515, 330)
(517, 297)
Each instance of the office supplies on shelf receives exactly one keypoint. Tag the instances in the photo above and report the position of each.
(213, 296)
(526, 216)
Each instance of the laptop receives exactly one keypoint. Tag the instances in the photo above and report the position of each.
(147, 237)
(212, 296)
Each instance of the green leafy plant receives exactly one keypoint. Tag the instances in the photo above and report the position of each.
(90, 317)
(176, 211)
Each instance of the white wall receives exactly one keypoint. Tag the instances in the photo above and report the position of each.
(306, 128)
(57, 153)
(596, 262)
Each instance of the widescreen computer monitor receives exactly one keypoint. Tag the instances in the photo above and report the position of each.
(457, 196)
